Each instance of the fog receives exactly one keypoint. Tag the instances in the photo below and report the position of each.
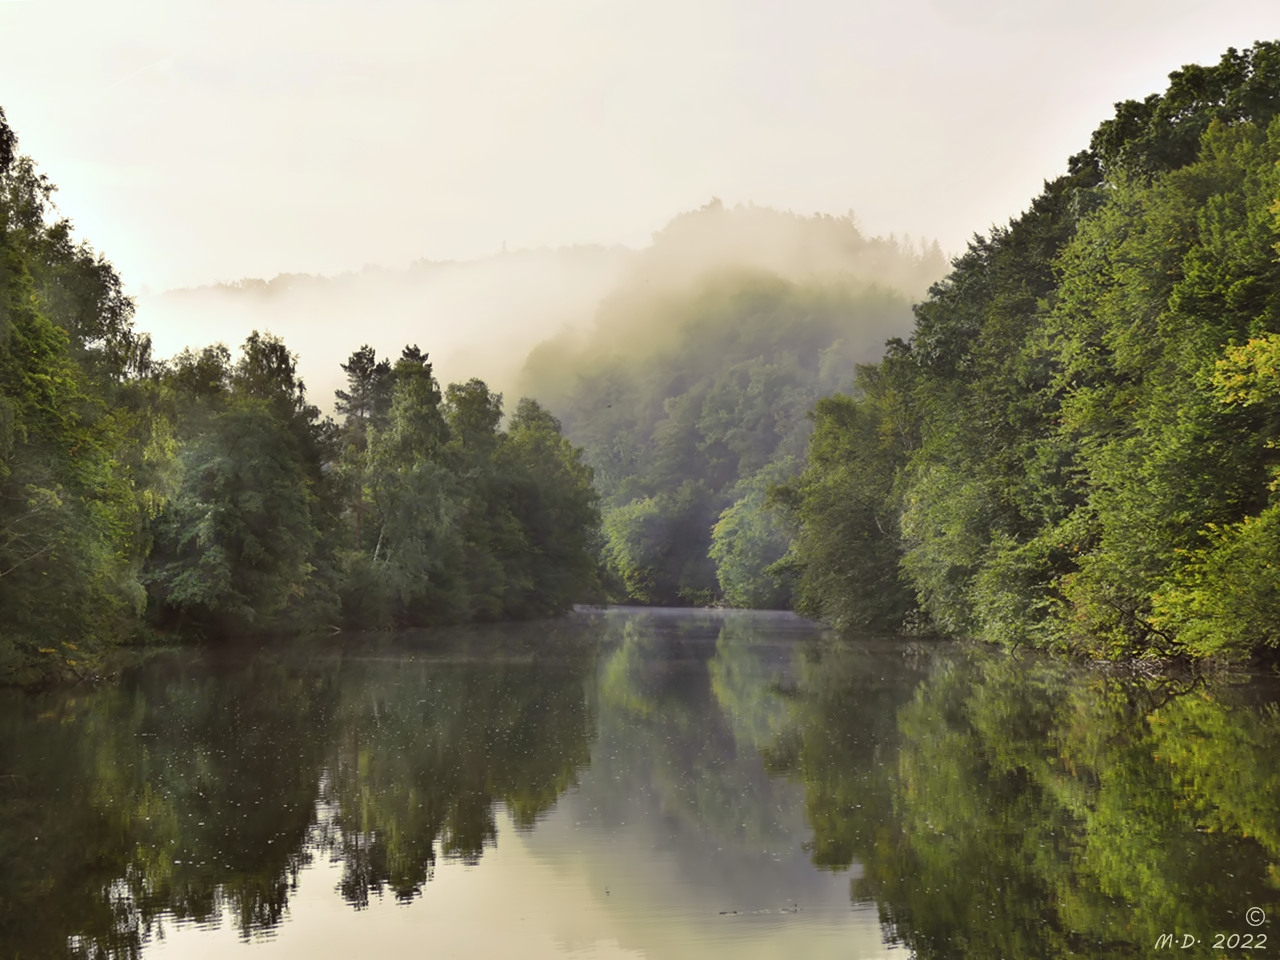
(716, 250)
(482, 318)
(801, 249)
(474, 319)
(203, 140)
(196, 142)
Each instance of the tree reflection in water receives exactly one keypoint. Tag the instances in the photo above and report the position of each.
(988, 805)
(1020, 807)
(189, 791)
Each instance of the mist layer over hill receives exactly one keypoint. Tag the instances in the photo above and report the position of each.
(690, 392)
(483, 317)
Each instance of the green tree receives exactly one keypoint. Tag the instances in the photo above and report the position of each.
(367, 401)
(416, 504)
(236, 547)
(555, 504)
(1068, 476)
(68, 520)
(495, 556)
(749, 541)
(847, 548)
(365, 404)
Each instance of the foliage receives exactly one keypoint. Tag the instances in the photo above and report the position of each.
(847, 549)
(749, 542)
(235, 547)
(207, 496)
(68, 521)
(472, 522)
(1088, 400)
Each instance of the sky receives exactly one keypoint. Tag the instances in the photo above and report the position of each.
(195, 141)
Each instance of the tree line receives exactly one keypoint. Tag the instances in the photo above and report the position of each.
(207, 495)
(1071, 443)
(1076, 448)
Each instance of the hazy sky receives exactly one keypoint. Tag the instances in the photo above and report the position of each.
(198, 140)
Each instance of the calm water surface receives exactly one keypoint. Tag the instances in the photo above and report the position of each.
(638, 784)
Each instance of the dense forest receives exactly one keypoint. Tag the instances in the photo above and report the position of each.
(1077, 446)
(207, 496)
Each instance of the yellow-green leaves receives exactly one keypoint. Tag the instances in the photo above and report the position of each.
(1249, 374)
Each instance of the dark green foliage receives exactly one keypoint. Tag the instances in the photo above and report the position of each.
(368, 401)
(847, 548)
(8, 144)
(365, 405)
(72, 285)
(238, 545)
(68, 521)
(1078, 479)
(1163, 131)
(467, 521)
(233, 546)
(555, 504)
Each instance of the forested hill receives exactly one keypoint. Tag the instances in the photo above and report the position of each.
(1077, 447)
(207, 497)
(691, 392)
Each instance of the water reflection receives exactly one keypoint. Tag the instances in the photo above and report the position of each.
(635, 784)
(190, 791)
(424, 753)
(678, 826)
(1011, 807)
(684, 704)
(176, 793)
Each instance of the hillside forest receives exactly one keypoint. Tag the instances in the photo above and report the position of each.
(1068, 441)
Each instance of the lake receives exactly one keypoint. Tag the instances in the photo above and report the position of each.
(629, 783)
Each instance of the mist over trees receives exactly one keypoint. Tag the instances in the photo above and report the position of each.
(1076, 447)
(482, 317)
(689, 396)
